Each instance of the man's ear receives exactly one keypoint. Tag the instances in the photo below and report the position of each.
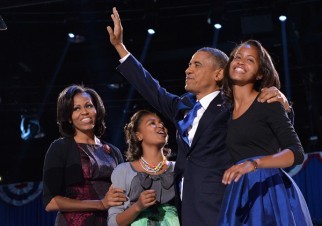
(219, 75)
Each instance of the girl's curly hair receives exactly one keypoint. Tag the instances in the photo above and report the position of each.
(134, 150)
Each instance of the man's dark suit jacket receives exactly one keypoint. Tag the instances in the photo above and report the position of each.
(203, 164)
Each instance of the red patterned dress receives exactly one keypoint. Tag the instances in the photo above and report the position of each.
(97, 166)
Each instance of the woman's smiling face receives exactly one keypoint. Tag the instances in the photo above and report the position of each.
(84, 113)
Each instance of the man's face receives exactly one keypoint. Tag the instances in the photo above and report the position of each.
(200, 75)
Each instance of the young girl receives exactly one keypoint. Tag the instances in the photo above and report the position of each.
(147, 178)
(261, 140)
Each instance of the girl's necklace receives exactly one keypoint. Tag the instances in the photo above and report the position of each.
(151, 168)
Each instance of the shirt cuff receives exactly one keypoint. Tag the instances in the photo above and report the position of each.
(124, 58)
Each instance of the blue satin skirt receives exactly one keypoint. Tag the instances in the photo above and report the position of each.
(264, 197)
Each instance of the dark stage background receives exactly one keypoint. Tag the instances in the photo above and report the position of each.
(37, 60)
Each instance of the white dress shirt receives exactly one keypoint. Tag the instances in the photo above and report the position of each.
(205, 101)
(124, 58)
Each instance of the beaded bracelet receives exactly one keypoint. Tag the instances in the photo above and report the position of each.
(254, 163)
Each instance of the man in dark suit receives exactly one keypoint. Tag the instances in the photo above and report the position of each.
(202, 160)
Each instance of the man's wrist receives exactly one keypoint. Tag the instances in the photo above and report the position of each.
(124, 58)
(289, 108)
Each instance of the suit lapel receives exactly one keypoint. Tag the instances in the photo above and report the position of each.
(211, 112)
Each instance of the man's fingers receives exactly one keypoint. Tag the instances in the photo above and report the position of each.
(115, 12)
(275, 97)
(109, 30)
(269, 94)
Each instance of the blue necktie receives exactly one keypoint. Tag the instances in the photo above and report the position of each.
(185, 123)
